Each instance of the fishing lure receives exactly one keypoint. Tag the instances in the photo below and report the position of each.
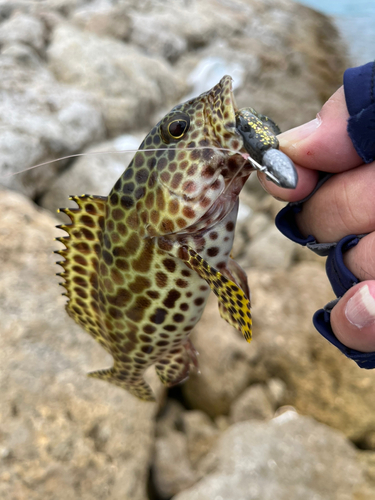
(140, 263)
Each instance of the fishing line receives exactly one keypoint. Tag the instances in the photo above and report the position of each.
(114, 152)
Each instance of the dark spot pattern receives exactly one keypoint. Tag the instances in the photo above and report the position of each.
(124, 282)
(213, 251)
(159, 316)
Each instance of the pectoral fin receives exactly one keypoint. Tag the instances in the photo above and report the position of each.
(235, 306)
(237, 274)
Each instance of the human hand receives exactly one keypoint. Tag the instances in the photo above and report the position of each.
(344, 205)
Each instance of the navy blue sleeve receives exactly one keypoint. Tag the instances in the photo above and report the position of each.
(359, 87)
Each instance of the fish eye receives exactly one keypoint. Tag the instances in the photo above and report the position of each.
(175, 128)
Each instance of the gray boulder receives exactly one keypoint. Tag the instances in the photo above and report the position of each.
(201, 434)
(95, 172)
(23, 28)
(40, 119)
(104, 19)
(270, 250)
(129, 85)
(225, 361)
(172, 470)
(289, 458)
(255, 403)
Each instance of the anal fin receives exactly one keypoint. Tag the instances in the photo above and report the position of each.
(235, 305)
(174, 367)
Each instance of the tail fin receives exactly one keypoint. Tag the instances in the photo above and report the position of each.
(138, 388)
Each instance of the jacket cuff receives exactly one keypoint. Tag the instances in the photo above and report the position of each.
(359, 88)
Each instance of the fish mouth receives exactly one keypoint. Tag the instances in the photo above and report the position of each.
(222, 115)
(227, 101)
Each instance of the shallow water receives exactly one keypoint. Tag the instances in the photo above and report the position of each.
(355, 20)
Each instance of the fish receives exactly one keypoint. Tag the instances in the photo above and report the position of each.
(140, 263)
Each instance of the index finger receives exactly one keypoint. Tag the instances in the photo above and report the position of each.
(323, 144)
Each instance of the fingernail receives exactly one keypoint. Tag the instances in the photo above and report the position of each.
(360, 309)
(297, 134)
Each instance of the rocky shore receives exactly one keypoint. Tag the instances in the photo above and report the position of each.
(286, 417)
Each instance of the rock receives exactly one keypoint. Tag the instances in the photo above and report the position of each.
(277, 391)
(277, 53)
(320, 381)
(152, 35)
(369, 441)
(253, 404)
(225, 361)
(367, 458)
(270, 250)
(170, 418)
(171, 33)
(245, 214)
(183, 438)
(270, 206)
(275, 68)
(104, 19)
(258, 242)
(25, 29)
(41, 120)
(288, 458)
(201, 434)
(172, 471)
(254, 187)
(92, 173)
(63, 435)
(129, 85)
(257, 224)
(222, 422)
(23, 54)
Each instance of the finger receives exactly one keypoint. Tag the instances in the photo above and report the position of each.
(307, 180)
(323, 143)
(353, 317)
(345, 204)
(360, 260)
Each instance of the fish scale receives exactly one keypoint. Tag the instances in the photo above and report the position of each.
(140, 263)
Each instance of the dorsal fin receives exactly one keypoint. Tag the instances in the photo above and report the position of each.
(81, 261)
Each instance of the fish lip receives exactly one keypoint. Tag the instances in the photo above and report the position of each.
(229, 123)
(228, 83)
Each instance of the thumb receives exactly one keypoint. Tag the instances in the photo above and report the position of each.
(353, 317)
(323, 143)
